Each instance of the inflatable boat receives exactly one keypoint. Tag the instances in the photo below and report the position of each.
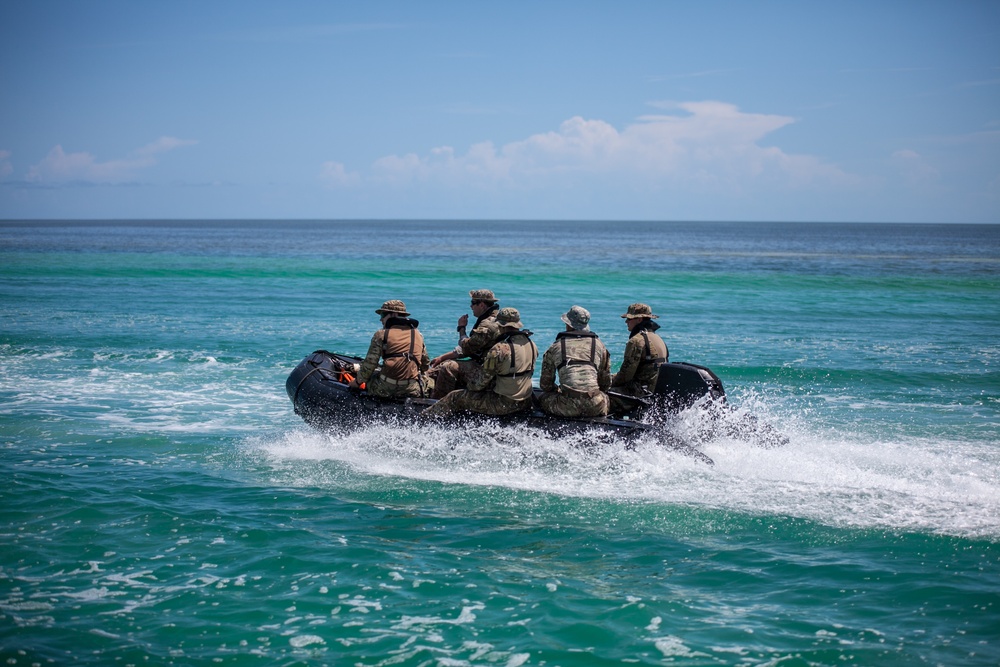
(319, 391)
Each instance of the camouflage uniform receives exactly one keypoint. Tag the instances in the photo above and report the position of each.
(504, 386)
(644, 353)
(583, 366)
(459, 373)
(402, 347)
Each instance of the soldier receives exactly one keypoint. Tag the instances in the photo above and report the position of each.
(583, 366)
(456, 372)
(505, 386)
(402, 348)
(644, 353)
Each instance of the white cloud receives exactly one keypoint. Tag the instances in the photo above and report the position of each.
(335, 175)
(62, 167)
(710, 146)
(6, 168)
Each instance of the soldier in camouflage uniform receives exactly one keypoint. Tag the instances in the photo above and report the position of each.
(505, 386)
(583, 366)
(402, 349)
(463, 366)
(644, 353)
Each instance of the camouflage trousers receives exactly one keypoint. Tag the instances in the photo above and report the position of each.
(376, 386)
(452, 375)
(564, 404)
(481, 402)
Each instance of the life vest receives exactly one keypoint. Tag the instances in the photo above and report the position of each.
(401, 346)
(579, 366)
(654, 351)
(513, 378)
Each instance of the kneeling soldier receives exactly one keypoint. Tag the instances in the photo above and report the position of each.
(583, 366)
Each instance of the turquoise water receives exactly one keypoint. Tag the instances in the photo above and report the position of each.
(163, 505)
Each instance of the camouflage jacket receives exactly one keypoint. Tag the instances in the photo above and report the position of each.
(484, 335)
(402, 348)
(581, 362)
(644, 353)
(510, 364)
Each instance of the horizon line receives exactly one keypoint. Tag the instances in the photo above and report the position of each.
(6, 221)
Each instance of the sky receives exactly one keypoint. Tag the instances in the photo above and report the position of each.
(855, 111)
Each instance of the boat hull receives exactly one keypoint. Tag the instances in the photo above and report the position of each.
(319, 391)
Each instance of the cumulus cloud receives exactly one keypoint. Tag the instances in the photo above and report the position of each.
(705, 145)
(5, 166)
(62, 167)
(335, 175)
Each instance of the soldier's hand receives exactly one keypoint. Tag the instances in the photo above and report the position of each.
(463, 320)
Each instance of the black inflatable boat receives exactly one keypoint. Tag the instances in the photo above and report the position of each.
(318, 388)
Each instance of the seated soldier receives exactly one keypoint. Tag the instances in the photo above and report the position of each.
(583, 366)
(402, 349)
(644, 353)
(506, 378)
(463, 366)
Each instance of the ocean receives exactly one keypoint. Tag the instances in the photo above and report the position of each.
(163, 505)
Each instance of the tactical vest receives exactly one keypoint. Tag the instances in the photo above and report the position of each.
(401, 345)
(513, 378)
(654, 350)
(654, 353)
(579, 361)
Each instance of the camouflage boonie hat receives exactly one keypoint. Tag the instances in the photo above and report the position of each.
(392, 307)
(578, 318)
(509, 317)
(483, 295)
(637, 310)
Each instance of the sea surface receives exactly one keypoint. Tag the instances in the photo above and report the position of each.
(161, 504)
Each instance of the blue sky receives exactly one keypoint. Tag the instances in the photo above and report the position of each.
(797, 110)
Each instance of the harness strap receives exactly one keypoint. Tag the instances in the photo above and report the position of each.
(576, 362)
(409, 356)
(648, 356)
(513, 356)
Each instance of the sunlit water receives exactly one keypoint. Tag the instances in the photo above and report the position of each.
(164, 505)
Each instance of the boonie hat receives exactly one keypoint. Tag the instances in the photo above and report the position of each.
(392, 307)
(483, 295)
(509, 317)
(637, 310)
(578, 318)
